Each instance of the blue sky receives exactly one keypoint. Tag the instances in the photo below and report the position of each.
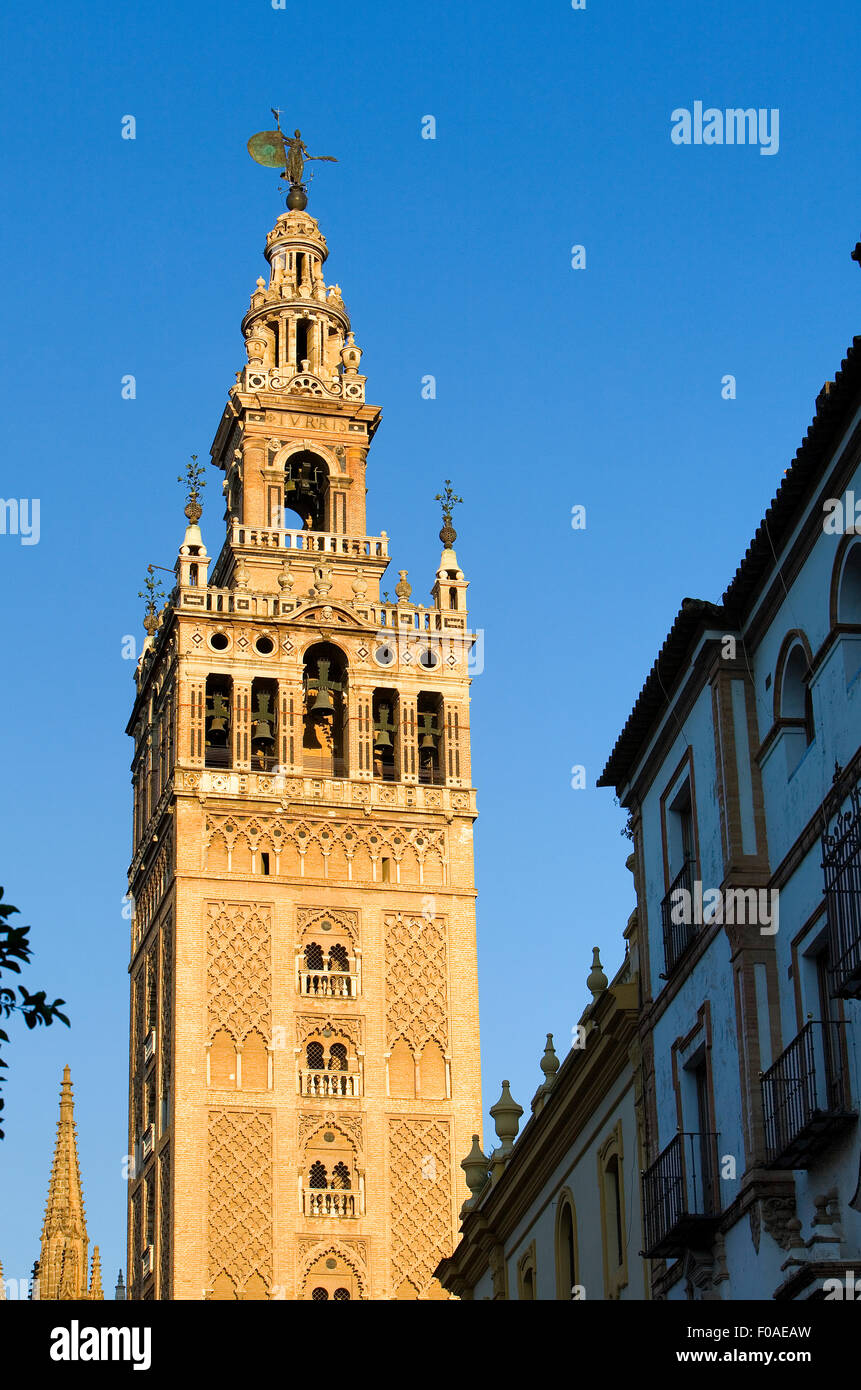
(555, 387)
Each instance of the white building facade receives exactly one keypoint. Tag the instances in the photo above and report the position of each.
(740, 766)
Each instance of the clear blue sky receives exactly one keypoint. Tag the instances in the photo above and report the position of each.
(555, 387)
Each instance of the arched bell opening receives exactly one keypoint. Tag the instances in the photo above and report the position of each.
(306, 486)
(264, 724)
(429, 737)
(218, 710)
(385, 709)
(324, 738)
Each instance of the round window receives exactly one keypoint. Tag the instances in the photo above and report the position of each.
(264, 645)
(219, 642)
(385, 654)
(428, 659)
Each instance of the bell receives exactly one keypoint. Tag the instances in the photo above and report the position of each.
(262, 718)
(429, 734)
(217, 712)
(381, 729)
(323, 702)
(290, 487)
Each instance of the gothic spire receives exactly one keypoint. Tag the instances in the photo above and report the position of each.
(63, 1261)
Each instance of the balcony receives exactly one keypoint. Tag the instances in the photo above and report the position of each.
(328, 984)
(805, 1096)
(326, 1202)
(841, 863)
(329, 1085)
(327, 542)
(217, 757)
(678, 935)
(681, 1209)
(147, 1142)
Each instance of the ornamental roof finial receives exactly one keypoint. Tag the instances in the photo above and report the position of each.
(449, 501)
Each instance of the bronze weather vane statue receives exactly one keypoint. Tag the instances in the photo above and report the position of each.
(274, 148)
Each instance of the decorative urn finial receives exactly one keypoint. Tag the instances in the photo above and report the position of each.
(475, 1167)
(195, 482)
(506, 1118)
(153, 592)
(449, 501)
(596, 980)
(549, 1062)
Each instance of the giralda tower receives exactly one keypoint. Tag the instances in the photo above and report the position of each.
(304, 1060)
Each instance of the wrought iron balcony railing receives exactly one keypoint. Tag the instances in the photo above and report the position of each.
(677, 919)
(805, 1095)
(681, 1204)
(841, 863)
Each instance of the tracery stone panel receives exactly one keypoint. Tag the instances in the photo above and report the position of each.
(239, 1219)
(239, 968)
(420, 1197)
(416, 980)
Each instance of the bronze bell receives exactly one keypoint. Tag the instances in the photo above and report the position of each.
(429, 734)
(262, 718)
(323, 702)
(290, 487)
(217, 711)
(381, 729)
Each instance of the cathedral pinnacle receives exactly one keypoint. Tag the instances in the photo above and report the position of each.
(63, 1264)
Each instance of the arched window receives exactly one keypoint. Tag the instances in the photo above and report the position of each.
(337, 1057)
(264, 724)
(320, 1295)
(255, 1063)
(324, 745)
(217, 711)
(338, 958)
(342, 1295)
(317, 1175)
(566, 1250)
(386, 739)
(430, 722)
(402, 1070)
(613, 1229)
(849, 591)
(306, 482)
(222, 1060)
(341, 1177)
(526, 1281)
(314, 1054)
(846, 609)
(313, 956)
(795, 698)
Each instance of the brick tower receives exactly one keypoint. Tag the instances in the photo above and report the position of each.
(304, 1071)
